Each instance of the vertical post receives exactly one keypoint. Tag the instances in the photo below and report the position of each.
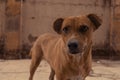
(111, 28)
(21, 23)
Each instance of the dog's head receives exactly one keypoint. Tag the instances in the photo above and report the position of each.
(77, 31)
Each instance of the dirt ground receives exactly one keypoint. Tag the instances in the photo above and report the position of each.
(19, 70)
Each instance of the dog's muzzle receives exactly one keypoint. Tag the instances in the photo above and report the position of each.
(74, 47)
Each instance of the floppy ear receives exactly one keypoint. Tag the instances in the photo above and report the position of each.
(95, 20)
(57, 25)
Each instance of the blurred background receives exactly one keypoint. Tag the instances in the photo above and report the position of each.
(22, 21)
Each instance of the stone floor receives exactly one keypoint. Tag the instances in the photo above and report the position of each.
(19, 70)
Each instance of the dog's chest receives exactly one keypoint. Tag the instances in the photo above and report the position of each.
(75, 78)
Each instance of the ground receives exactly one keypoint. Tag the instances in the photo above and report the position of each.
(19, 70)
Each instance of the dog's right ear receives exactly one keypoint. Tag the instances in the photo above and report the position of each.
(95, 20)
(57, 25)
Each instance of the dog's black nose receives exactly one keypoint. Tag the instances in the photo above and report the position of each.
(73, 47)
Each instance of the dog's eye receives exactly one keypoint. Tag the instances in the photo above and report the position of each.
(65, 29)
(83, 28)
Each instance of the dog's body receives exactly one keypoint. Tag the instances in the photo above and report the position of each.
(69, 54)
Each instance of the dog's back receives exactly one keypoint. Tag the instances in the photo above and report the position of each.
(46, 43)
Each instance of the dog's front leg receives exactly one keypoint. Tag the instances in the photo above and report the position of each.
(52, 74)
(36, 55)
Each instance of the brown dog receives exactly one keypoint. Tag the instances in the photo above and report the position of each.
(69, 53)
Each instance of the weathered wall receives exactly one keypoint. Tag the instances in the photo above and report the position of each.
(12, 27)
(21, 23)
(39, 15)
(2, 17)
(115, 30)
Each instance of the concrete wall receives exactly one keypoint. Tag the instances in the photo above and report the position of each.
(2, 17)
(21, 23)
(39, 15)
(115, 30)
(10, 20)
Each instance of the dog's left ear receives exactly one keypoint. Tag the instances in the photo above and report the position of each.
(95, 20)
(57, 25)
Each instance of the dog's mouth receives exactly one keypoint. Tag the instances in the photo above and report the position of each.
(75, 47)
(76, 51)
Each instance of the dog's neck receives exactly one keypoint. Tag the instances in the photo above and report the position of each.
(77, 63)
(77, 58)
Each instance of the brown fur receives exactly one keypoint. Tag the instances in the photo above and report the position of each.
(53, 48)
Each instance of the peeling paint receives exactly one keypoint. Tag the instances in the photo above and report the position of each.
(12, 8)
(32, 38)
(3, 1)
(20, 0)
(107, 3)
